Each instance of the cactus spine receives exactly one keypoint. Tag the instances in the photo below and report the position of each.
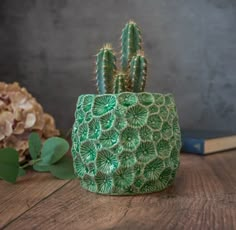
(106, 68)
(130, 43)
(133, 64)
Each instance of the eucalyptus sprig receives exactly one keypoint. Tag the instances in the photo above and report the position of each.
(47, 157)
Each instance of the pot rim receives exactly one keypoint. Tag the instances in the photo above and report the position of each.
(117, 94)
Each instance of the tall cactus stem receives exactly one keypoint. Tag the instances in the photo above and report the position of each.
(130, 43)
(105, 69)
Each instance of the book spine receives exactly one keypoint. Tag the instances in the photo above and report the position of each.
(192, 145)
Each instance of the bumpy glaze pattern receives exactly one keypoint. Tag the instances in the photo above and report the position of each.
(126, 143)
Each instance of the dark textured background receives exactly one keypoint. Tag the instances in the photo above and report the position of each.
(48, 46)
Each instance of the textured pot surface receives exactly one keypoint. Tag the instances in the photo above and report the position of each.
(126, 143)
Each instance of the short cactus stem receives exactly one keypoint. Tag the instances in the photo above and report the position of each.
(105, 69)
(120, 83)
(130, 43)
(138, 73)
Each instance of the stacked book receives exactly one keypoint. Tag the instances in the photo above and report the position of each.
(206, 142)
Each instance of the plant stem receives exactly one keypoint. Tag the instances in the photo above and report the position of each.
(30, 163)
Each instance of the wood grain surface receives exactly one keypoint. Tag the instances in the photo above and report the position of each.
(15, 199)
(202, 197)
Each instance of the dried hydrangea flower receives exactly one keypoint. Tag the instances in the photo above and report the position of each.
(21, 114)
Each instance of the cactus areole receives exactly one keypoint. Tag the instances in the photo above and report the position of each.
(125, 141)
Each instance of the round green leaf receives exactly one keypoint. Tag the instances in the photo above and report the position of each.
(63, 169)
(53, 150)
(35, 145)
(9, 164)
(40, 167)
(21, 172)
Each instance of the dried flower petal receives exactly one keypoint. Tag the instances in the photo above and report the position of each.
(21, 114)
(30, 120)
(19, 128)
(49, 129)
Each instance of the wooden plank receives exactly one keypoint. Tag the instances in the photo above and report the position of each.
(202, 197)
(17, 198)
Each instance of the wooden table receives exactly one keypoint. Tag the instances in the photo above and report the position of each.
(202, 197)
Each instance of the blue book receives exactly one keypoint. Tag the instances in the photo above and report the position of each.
(206, 142)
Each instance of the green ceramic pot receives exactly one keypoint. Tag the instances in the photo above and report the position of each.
(126, 143)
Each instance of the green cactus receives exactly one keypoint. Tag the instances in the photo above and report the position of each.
(130, 43)
(138, 73)
(125, 143)
(133, 64)
(106, 68)
(120, 83)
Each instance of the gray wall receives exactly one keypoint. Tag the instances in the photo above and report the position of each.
(48, 46)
